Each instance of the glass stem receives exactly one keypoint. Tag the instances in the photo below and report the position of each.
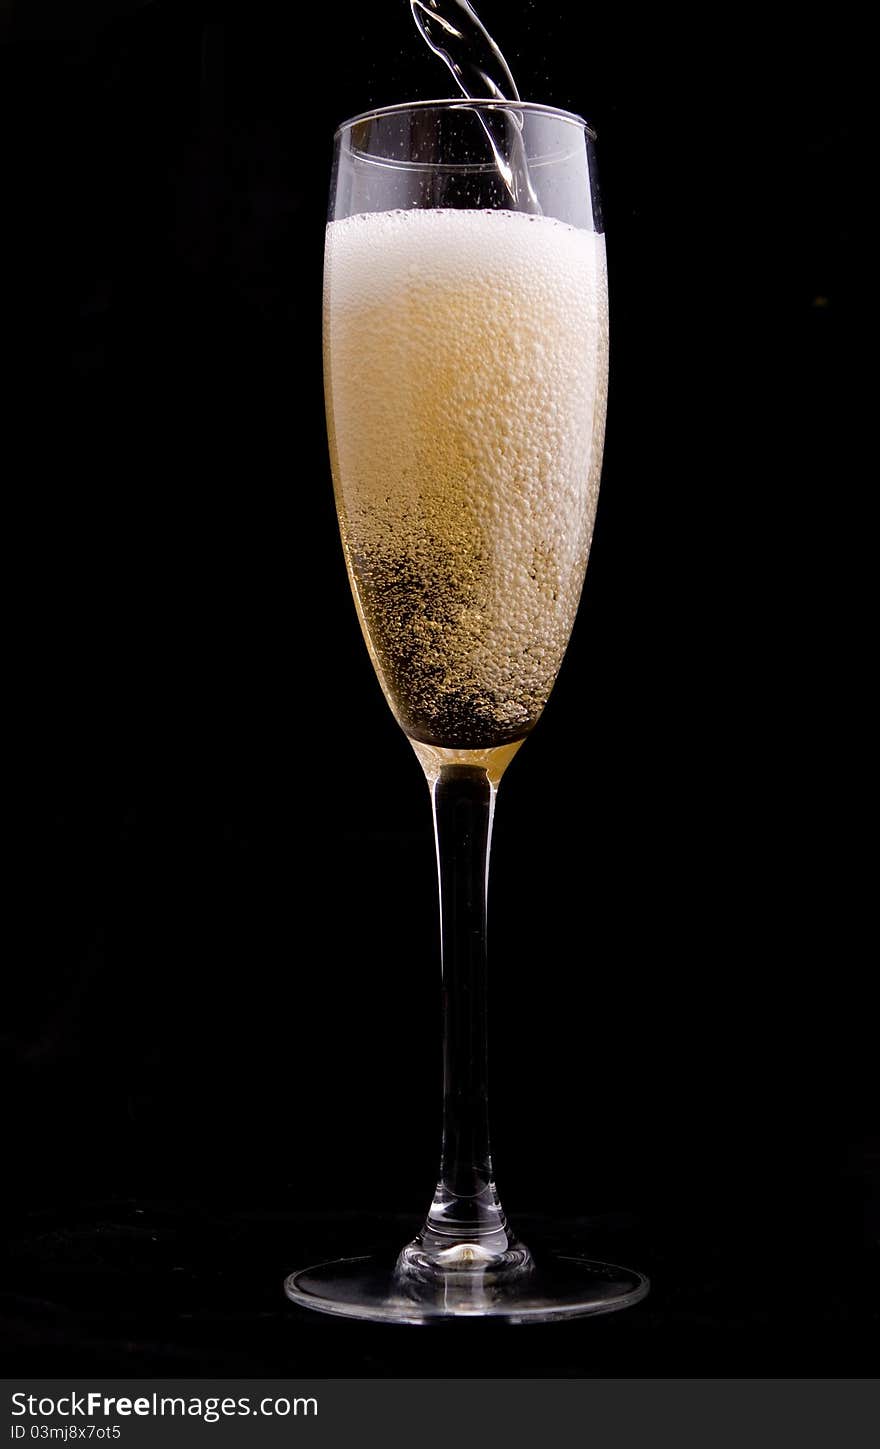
(464, 804)
(466, 1223)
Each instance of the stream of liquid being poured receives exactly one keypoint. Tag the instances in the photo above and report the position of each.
(455, 33)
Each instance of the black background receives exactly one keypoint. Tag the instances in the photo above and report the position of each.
(222, 1020)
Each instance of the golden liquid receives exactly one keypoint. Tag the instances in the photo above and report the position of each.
(466, 381)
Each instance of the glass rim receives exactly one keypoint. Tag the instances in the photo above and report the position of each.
(463, 103)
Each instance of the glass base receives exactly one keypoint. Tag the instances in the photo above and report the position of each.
(557, 1285)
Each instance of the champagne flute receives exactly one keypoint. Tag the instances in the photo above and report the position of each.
(466, 363)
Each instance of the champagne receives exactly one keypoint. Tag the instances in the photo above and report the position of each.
(455, 32)
(466, 357)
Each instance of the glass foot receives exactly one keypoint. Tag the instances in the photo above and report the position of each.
(555, 1286)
